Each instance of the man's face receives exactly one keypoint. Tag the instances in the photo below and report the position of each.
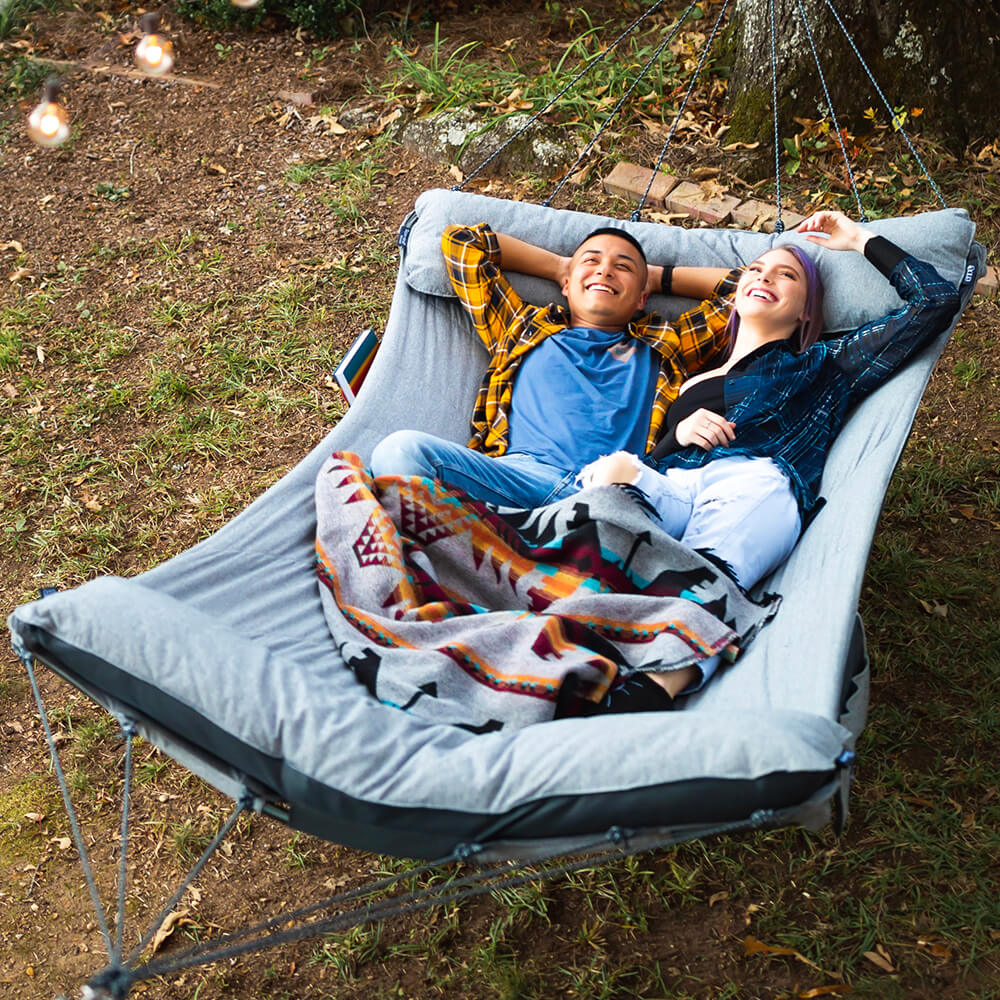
(606, 283)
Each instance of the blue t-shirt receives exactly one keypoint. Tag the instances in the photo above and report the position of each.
(583, 393)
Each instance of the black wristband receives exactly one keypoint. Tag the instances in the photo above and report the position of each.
(667, 280)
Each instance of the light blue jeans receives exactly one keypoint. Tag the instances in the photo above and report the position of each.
(741, 509)
(512, 480)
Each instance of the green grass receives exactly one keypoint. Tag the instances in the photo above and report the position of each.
(443, 76)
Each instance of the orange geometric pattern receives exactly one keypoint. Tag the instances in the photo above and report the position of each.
(378, 543)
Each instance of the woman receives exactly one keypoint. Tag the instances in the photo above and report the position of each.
(738, 472)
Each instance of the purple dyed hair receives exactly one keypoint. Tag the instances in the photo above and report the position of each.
(811, 327)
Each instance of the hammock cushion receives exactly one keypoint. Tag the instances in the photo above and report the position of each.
(222, 655)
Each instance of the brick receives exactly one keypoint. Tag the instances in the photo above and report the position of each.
(988, 283)
(754, 212)
(300, 98)
(691, 198)
(791, 220)
(630, 181)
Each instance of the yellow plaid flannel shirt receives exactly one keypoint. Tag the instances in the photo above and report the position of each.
(510, 328)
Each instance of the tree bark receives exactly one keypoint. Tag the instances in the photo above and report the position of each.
(939, 55)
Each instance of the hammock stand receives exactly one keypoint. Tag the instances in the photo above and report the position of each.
(787, 754)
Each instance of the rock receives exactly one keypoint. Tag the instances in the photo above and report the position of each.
(464, 138)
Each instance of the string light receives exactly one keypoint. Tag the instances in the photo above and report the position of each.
(155, 53)
(48, 124)
(245, 4)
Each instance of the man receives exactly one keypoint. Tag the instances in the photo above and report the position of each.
(563, 386)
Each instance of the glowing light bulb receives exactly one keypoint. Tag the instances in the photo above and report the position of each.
(245, 4)
(155, 53)
(48, 123)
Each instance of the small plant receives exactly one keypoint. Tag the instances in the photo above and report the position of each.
(968, 371)
(149, 771)
(26, 76)
(113, 192)
(90, 734)
(189, 842)
(297, 855)
(222, 51)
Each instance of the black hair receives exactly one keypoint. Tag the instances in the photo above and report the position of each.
(620, 233)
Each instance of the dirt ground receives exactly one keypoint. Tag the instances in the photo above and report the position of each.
(152, 163)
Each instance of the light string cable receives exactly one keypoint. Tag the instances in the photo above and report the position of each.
(538, 114)
(26, 659)
(636, 214)
(610, 117)
(862, 214)
(893, 117)
(779, 225)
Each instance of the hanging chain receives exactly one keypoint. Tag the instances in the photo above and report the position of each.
(614, 111)
(893, 117)
(636, 214)
(779, 226)
(862, 215)
(593, 61)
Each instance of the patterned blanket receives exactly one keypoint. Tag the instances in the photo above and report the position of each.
(464, 614)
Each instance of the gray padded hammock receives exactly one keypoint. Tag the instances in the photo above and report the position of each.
(222, 658)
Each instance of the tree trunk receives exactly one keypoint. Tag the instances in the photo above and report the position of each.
(939, 55)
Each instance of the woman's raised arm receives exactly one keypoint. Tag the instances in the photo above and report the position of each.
(835, 231)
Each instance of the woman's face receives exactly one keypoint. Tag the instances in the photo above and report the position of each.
(773, 290)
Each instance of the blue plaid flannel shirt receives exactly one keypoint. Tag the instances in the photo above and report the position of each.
(789, 407)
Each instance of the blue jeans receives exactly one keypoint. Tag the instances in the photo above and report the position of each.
(512, 480)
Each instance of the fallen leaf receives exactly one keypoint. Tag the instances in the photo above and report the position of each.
(19, 275)
(62, 843)
(917, 801)
(174, 919)
(90, 501)
(667, 218)
(936, 948)
(880, 958)
(717, 897)
(751, 946)
(12, 245)
(841, 990)
(216, 168)
(40, 354)
(456, 173)
(35, 817)
(9, 391)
